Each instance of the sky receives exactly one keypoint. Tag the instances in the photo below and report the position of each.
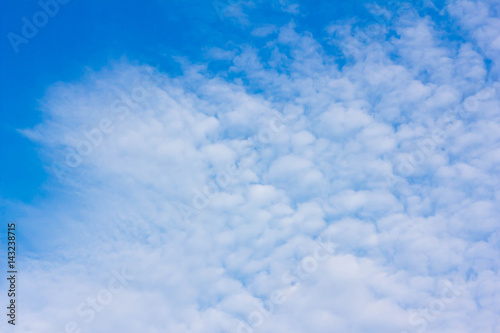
(252, 165)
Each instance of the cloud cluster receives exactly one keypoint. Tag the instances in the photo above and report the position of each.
(212, 189)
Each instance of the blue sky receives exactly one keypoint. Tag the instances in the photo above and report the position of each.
(336, 162)
(89, 35)
(69, 45)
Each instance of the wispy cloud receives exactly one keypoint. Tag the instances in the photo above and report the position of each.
(285, 144)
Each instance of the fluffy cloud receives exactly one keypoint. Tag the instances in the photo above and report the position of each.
(213, 193)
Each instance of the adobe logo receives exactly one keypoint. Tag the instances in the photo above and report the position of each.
(29, 30)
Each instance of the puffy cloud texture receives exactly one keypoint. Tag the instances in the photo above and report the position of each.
(298, 189)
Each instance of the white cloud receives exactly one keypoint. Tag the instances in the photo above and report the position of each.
(322, 173)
